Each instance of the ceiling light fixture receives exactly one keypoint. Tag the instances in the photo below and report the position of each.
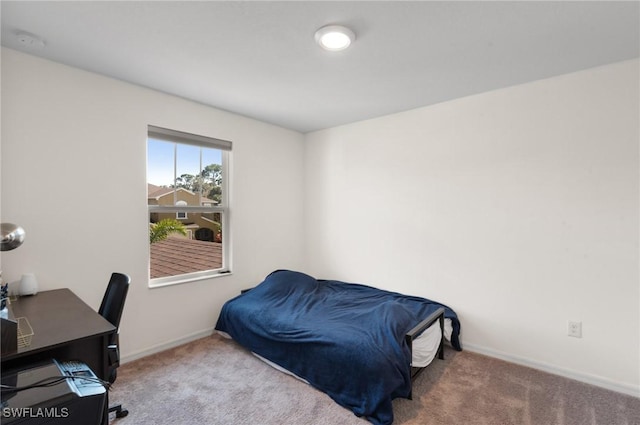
(335, 37)
(28, 40)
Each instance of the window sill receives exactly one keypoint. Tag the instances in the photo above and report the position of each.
(178, 280)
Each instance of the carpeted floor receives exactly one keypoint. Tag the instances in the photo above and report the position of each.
(215, 381)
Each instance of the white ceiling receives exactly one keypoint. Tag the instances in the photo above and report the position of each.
(259, 59)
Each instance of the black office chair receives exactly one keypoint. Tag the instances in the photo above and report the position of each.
(111, 309)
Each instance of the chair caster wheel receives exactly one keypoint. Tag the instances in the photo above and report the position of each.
(122, 413)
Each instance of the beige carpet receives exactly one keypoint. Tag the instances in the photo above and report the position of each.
(215, 381)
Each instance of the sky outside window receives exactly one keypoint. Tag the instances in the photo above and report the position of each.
(160, 161)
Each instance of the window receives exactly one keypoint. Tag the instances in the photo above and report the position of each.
(187, 198)
(182, 215)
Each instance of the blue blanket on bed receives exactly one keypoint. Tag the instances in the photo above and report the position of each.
(347, 340)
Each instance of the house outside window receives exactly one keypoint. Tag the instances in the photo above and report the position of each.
(187, 193)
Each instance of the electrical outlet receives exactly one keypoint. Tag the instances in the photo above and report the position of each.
(575, 329)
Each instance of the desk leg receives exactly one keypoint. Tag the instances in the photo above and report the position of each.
(105, 415)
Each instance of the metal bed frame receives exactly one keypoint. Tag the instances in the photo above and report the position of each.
(417, 330)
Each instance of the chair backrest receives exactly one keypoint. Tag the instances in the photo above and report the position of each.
(113, 301)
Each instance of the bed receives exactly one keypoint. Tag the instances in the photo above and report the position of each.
(351, 341)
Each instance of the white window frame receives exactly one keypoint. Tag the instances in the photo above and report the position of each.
(159, 133)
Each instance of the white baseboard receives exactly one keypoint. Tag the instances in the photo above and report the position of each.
(567, 373)
(165, 345)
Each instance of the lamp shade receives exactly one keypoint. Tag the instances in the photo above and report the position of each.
(12, 236)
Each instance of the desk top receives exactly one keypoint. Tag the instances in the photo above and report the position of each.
(57, 317)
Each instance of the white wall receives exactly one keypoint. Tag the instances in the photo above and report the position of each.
(518, 208)
(74, 176)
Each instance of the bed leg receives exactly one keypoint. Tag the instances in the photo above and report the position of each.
(441, 347)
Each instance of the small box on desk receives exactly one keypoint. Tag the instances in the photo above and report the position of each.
(9, 331)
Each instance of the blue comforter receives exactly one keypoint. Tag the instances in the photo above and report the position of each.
(345, 339)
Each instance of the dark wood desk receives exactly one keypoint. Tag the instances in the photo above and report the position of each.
(65, 328)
